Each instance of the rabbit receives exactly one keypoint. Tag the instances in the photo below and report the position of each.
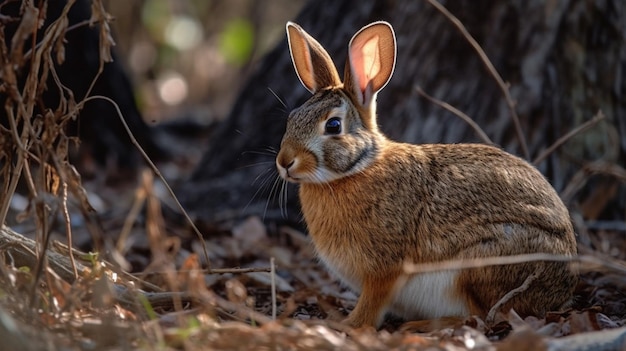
(371, 204)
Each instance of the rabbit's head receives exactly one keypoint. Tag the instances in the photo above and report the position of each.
(334, 134)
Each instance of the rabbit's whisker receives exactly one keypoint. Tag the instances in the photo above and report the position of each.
(256, 164)
(262, 152)
(265, 175)
(278, 98)
(274, 192)
(282, 201)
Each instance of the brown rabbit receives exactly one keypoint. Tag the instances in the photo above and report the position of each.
(372, 204)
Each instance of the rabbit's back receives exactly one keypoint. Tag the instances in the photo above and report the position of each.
(433, 195)
(475, 185)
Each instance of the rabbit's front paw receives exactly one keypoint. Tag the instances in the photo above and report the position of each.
(358, 321)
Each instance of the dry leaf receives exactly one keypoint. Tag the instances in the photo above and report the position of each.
(236, 291)
(251, 232)
(100, 16)
(29, 22)
(264, 278)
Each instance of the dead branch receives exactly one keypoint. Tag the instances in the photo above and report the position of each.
(467, 119)
(273, 287)
(580, 178)
(562, 140)
(239, 270)
(586, 262)
(22, 250)
(491, 316)
(158, 174)
(492, 70)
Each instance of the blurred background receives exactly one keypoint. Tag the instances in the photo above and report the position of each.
(190, 57)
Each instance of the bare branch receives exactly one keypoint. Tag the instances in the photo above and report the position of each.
(492, 70)
(157, 172)
(583, 127)
(458, 113)
(591, 262)
(491, 316)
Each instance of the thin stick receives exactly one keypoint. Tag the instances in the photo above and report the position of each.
(581, 128)
(580, 178)
(491, 316)
(241, 309)
(61, 247)
(239, 270)
(22, 142)
(157, 172)
(68, 228)
(492, 70)
(411, 268)
(40, 250)
(273, 286)
(458, 113)
(617, 225)
(140, 199)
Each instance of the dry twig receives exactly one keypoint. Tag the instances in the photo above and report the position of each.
(158, 174)
(491, 316)
(585, 262)
(273, 287)
(492, 70)
(562, 140)
(467, 119)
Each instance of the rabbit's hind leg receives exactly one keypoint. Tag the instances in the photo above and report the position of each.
(550, 289)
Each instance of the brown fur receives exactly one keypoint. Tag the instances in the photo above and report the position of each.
(372, 204)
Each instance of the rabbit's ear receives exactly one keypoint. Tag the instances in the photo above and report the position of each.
(313, 65)
(371, 60)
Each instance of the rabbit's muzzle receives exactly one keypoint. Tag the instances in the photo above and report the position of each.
(296, 164)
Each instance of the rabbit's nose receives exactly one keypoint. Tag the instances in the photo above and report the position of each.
(289, 166)
(284, 163)
(285, 160)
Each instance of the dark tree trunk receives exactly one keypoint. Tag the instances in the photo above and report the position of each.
(564, 61)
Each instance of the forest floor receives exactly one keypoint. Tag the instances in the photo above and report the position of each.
(265, 290)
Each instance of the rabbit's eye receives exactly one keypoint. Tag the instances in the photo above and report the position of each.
(333, 126)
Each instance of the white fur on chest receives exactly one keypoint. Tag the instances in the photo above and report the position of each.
(428, 296)
(343, 270)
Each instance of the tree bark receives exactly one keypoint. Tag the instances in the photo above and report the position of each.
(564, 60)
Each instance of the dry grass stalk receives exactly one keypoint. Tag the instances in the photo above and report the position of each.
(158, 173)
(467, 119)
(36, 147)
(585, 262)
